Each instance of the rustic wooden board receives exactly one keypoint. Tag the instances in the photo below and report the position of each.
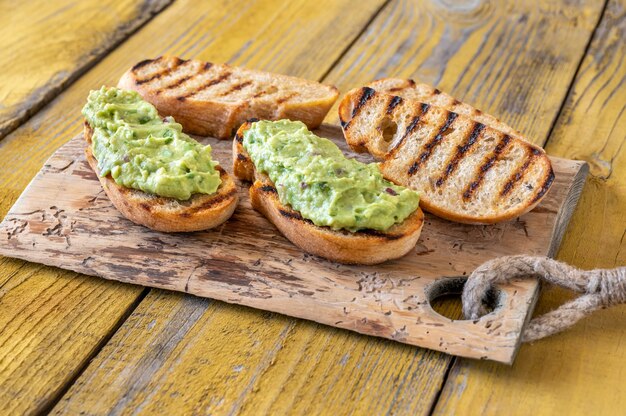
(64, 219)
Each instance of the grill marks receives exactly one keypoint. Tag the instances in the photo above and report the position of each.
(143, 63)
(218, 199)
(488, 163)
(393, 103)
(411, 127)
(156, 75)
(367, 94)
(206, 85)
(457, 161)
(544, 188)
(176, 83)
(181, 73)
(460, 152)
(285, 98)
(178, 65)
(260, 94)
(163, 71)
(294, 215)
(236, 87)
(152, 77)
(427, 149)
(518, 175)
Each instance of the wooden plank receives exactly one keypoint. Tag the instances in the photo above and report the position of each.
(63, 219)
(51, 326)
(501, 58)
(320, 369)
(582, 370)
(212, 30)
(45, 45)
(177, 368)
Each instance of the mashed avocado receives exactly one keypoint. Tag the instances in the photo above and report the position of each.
(313, 176)
(142, 151)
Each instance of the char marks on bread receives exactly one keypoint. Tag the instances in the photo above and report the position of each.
(468, 166)
(215, 99)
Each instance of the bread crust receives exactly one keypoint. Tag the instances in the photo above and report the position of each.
(213, 115)
(362, 247)
(382, 107)
(200, 212)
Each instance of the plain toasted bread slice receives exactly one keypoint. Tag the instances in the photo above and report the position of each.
(215, 99)
(200, 212)
(464, 170)
(360, 247)
(424, 93)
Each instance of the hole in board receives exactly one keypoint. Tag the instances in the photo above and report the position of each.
(444, 296)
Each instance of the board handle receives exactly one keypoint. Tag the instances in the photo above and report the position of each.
(601, 288)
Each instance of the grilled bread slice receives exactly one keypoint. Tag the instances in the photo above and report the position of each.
(360, 247)
(200, 212)
(424, 93)
(465, 170)
(215, 99)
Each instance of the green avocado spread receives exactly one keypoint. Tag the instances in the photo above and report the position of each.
(142, 151)
(313, 176)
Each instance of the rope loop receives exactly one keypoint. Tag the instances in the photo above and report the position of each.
(601, 288)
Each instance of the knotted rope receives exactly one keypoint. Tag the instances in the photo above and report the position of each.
(601, 287)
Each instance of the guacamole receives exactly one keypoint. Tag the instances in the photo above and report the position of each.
(142, 151)
(313, 176)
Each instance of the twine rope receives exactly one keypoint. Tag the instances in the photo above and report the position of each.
(601, 288)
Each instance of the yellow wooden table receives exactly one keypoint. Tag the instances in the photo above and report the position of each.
(555, 70)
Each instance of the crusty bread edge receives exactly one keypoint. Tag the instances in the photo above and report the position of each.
(207, 211)
(362, 247)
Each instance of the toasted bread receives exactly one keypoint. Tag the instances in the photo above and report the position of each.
(200, 212)
(360, 247)
(464, 170)
(424, 93)
(215, 99)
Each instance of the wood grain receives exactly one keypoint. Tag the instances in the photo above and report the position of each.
(46, 45)
(580, 371)
(514, 60)
(215, 30)
(191, 356)
(306, 374)
(65, 220)
(37, 325)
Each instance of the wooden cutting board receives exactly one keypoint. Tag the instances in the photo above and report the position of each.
(64, 219)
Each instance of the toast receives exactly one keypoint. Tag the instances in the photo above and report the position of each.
(215, 99)
(424, 93)
(465, 170)
(360, 247)
(200, 212)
